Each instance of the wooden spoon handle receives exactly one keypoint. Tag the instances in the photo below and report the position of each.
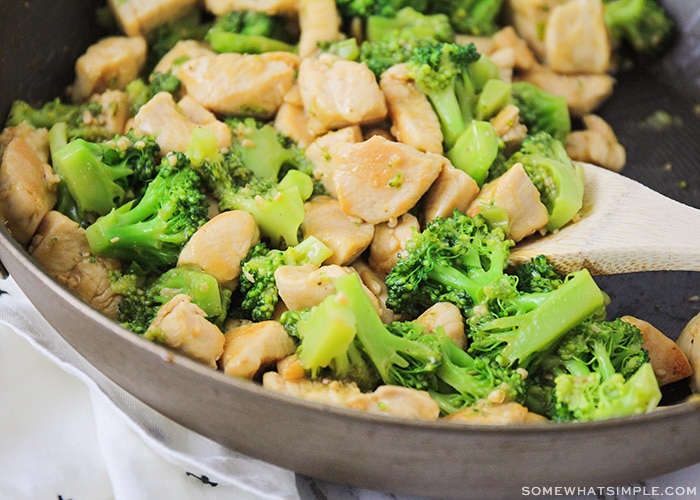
(623, 227)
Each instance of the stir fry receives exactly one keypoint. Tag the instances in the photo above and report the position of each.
(322, 196)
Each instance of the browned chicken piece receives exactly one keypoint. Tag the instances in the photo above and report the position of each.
(318, 152)
(515, 193)
(220, 244)
(596, 144)
(319, 21)
(182, 51)
(171, 126)
(110, 63)
(27, 189)
(669, 362)
(183, 325)
(447, 316)
(305, 286)
(529, 19)
(235, 84)
(689, 343)
(115, 110)
(292, 122)
(219, 7)
(61, 248)
(252, 347)
(507, 125)
(453, 190)
(413, 120)
(374, 283)
(338, 93)
(379, 180)
(389, 241)
(507, 38)
(583, 93)
(576, 38)
(290, 368)
(485, 413)
(36, 138)
(345, 235)
(140, 17)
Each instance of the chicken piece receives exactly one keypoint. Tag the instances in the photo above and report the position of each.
(140, 17)
(36, 138)
(220, 244)
(171, 126)
(326, 391)
(318, 152)
(290, 368)
(389, 241)
(495, 414)
(240, 84)
(61, 248)
(413, 120)
(249, 348)
(504, 59)
(669, 362)
(27, 189)
(449, 317)
(583, 93)
(529, 19)
(375, 284)
(220, 7)
(183, 325)
(319, 21)
(379, 180)
(689, 342)
(305, 286)
(337, 93)
(110, 63)
(345, 235)
(507, 125)
(115, 110)
(292, 122)
(453, 190)
(596, 144)
(397, 401)
(515, 193)
(507, 38)
(576, 38)
(182, 51)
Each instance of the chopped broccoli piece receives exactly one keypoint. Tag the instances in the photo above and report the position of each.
(409, 24)
(541, 111)
(476, 149)
(346, 48)
(153, 229)
(388, 8)
(642, 26)
(471, 17)
(537, 276)
(192, 26)
(250, 32)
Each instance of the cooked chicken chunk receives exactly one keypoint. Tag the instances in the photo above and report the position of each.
(220, 244)
(305, 286)
(507, 125)
(240, 84)
(36, 138)
(669, 362)
(689, 343)
(583, 93)
(447, 316)
(139, 17)
(318, 152)
(219, 7)
(507, 38)
(515, 193)
(337, 93)
(596, 144)
(389, 241)
(182, 51)
(453, 190)
(576, 38)
(496, 414)
(61, 248)
(292, 122)
(170, 124)
(249, 348)
(379, 180)
(27, 189)
(110, 63)
(319, 21)
(529, 18)
(413, 120)
(345, 235)
(115, 110)
(375, 284)
(290, 368)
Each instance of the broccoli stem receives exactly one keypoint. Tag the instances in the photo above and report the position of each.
(223, 41)
(475, 150)
(448, 110)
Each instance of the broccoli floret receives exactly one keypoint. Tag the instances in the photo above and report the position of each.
(641, 26)
(192, 26)
(471, 17)
(559, 181)
(365, 8)
(257, 287)
(541, 111)
(382, 55)
(82, 120)
(409, 24)
(347, 48)
(140, 92)
(250, 32)
(153, 229)
(457, 259)
(599, 370)
(538, 276)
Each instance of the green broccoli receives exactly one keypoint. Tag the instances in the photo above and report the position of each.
(365, 8)
(409, 24)
(250, 32)
(476, 149)
(541, 111)
(257, 287)
(140, 92)
(347, 48)
(538, 275)
(192, 26)
(153, 229)
(641, 26)
(559, 180)
(471, 17)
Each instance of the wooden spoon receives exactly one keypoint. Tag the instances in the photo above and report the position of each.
(623, 227)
